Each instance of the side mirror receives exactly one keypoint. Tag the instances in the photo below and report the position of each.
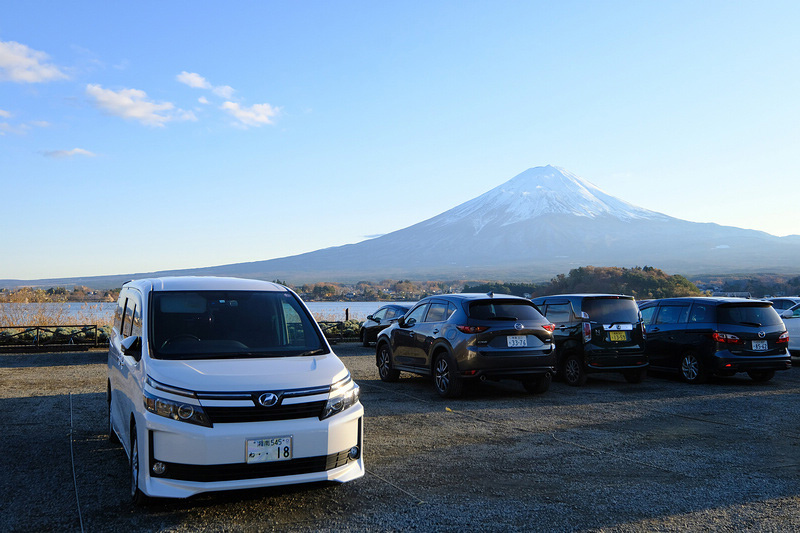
(584, 315)
(369, 317)
(408, 323)
(132, 346)
(787, 313)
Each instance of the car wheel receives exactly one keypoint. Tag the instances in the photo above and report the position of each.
(635, 376)
(364, 341)
(445, 378)
(574, 373)
(539, 384)
(385, 370)
(761, 375)
(692, 370)
(137, 496)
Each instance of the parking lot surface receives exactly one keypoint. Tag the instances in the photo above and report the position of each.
(610, 456)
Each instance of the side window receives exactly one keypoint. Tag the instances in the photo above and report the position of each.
(450, 310)
(380, 315)
(418, 313)
(557, 313)
(701, 313)
(136, 321)
(294, 325)
(437, 313)
(127, 326)
(647, 315)
(119, 312)
(672, 314)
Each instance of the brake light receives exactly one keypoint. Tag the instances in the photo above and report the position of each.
(549, 327)
(472, 329)
(784, 338)
(587, 332)
(726, 338)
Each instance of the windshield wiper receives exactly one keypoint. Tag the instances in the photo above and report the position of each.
(755, 324)
(318, 351)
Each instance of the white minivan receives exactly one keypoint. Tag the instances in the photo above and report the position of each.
(226, 383)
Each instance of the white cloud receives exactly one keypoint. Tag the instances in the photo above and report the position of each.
(203, 100)
(256, 115)
(133, 104)
(192, 79)
(24, 65)
(69, 153)
(224, 91)
(4, 113)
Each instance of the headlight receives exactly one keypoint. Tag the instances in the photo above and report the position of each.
(344, 394)
(183, 411)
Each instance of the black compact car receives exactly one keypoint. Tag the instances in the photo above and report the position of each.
(698, 337)
(596, 333)
(463, 338)
(380, 320)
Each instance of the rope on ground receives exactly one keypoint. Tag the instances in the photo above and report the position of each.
(72, 456)
(420, 501)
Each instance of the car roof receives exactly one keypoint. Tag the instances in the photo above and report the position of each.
(203, 283)
(467, 296)
(585, 295)
(714, 300)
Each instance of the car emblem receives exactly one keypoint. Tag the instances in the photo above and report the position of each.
(518, 326)
(268, 399)
(761, 334)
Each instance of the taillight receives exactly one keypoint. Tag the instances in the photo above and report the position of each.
(587, 332)
(472, 329)
(784, 339)
(549, 327)
(726, 338)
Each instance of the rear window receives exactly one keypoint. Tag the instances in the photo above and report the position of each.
(611, 310)
(748, 315)
(503, 310)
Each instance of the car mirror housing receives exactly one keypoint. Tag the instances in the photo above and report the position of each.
(132, 346)
(787, 314)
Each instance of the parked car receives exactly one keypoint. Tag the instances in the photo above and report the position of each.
(463, 338)
(791, 319)
(785, 302)
(700, 337)
(223, 383)
(596, 333)
(380, 320)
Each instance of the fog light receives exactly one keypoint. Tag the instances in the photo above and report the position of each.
(354, 452)
(159, 468)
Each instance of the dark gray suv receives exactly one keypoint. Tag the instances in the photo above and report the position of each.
(463, 338)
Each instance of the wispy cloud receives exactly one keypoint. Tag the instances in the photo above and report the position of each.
(21, 64)
(60, 154)
(195, 80)
(4, 113)
(256, 115)
(133, 104)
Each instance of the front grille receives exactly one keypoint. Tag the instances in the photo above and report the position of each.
(230, 472)
(227, 415)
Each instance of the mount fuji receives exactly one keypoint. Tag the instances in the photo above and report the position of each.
(542, 222)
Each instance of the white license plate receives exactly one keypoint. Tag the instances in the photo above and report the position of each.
(269, 449)
(760, 346)
(517, 341)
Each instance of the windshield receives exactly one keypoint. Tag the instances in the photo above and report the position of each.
(504, 310)
(231, 324)
(611, 310)
(749, 315)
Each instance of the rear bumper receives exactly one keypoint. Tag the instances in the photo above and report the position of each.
(727, 362)
(615, 360)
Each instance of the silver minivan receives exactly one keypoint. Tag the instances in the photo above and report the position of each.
(226, 383)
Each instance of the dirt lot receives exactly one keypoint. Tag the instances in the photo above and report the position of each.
(659, 456)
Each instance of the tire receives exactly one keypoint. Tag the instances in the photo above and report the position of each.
(539, 384)
(635, 376)
(445, 377)
(383, 359)
(692, 370)
(761, 376)
(137, 496)
(364, 341)
(574, 373)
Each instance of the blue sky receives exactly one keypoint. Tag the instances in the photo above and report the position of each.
(158, 135)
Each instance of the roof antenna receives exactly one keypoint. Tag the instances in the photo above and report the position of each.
(491, 294)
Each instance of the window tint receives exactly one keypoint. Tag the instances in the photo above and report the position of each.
(559, 312)
(503, 310)
(672, 314)
(611, 310)
(647, 314)
(748, 315)
(437, 313)
(231, 324)
(127, 324)
(702, 313)
(119, 312)
(380, 315)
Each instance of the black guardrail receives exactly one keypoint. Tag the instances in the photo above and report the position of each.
(73, 337)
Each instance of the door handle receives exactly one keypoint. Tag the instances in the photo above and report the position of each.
(436, 330)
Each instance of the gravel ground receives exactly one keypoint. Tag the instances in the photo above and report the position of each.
(610, 456)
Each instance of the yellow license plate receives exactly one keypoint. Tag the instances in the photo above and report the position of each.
(617, 336)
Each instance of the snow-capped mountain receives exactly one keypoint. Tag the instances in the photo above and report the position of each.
(544, 221)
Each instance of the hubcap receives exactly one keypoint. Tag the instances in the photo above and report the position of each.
(442, 375)
(384, 362)
(571, 370)
(134, 467)
(690, 367)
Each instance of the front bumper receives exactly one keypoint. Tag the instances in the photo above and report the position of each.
(201, 459)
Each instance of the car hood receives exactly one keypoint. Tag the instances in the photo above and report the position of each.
(231, 375)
